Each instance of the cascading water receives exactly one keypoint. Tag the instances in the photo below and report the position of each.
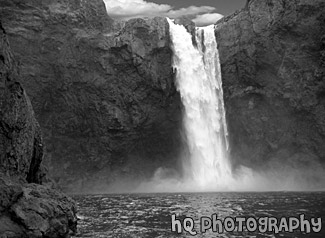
(206, 165)
(200, 85)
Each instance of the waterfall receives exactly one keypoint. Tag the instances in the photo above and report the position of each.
(206, 163)
(198, 79)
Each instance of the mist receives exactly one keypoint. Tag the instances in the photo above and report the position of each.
(295, 176)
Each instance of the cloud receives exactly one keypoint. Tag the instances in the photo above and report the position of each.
(127, 9)
(192, 10)
(207, 19)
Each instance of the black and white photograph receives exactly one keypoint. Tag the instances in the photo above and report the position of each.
(162, 118)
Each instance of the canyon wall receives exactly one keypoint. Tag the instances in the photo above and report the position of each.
(272, 57)
(27, 209)
(102, 92)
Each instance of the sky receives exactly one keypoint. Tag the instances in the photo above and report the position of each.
(203, 12)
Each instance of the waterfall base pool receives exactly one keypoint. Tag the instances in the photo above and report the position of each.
(150, 215)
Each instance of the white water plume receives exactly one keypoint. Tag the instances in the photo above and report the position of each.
(198, 79)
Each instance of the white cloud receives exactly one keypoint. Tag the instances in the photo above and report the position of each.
(127, 9)
(192, 10)
(207, 19)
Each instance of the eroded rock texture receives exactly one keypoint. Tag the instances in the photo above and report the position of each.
(102, 92)
(27, 209)
(272, 56)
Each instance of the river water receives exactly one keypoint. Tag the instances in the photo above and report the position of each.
(150, 215)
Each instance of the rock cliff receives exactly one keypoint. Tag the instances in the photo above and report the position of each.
(27, 209)
(272, 58)
(102, 92)
(104, 95)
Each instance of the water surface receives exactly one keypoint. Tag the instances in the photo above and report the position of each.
(149, 215)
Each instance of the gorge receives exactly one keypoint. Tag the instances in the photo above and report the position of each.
(105, 98)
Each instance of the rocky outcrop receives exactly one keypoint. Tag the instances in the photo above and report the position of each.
(272, 58)
(103, 93)
(32, 210)
(27, 209)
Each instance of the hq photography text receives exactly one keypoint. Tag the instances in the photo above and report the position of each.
(250, 224)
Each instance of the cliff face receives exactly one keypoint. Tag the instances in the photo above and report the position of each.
(26, 208)
(105, 98)
(272, 58)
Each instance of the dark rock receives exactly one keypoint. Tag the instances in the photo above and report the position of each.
(39, 13)
(32, 210)
(20, 138)
(272, 59)
(26, 210)
(105, 100)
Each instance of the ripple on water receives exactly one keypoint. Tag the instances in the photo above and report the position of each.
(149, 215)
